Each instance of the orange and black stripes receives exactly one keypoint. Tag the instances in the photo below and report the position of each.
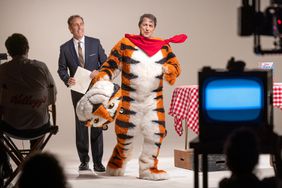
(161, 122)
(123, 53)
(124, 57)
(171, 64)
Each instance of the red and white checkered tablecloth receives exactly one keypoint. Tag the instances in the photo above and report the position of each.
(277, 95)
(184, 106)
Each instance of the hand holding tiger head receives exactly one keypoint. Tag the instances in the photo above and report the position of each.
(100, 104)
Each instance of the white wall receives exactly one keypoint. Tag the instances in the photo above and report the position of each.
(210, 25)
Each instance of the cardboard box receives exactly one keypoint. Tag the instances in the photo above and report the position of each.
(183, 159)
(216, 162)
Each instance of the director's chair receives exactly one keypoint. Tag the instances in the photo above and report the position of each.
(10, 99)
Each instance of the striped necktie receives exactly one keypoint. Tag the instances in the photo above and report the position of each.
(80, 55)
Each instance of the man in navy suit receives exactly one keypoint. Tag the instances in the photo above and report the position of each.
(88, 53)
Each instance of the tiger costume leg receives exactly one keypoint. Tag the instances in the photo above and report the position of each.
(153, 130)
(146, 117)
(125, 132)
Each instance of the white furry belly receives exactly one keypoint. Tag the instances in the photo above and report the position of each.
(147, 71)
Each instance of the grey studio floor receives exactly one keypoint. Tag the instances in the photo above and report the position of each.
(179, 178)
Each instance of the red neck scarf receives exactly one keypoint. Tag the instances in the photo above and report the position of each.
(152, 46)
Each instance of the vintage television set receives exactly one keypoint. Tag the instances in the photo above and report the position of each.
(232, 99)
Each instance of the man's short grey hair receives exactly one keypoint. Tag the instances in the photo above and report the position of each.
(73, 17)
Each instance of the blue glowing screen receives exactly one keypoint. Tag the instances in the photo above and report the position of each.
(233, 99)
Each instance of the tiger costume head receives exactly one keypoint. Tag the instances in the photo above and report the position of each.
(99, 106)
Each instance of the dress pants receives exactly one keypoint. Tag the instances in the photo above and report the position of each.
(82, 137)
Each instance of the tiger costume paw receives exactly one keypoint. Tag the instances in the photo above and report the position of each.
(115, 172)
(170, 74)
(153, 174)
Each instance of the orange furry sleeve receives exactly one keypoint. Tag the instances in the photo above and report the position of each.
(171, 67)
(111, 68)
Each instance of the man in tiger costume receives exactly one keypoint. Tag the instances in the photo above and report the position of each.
(143, 62)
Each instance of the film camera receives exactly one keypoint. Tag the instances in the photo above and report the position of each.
(252, 21)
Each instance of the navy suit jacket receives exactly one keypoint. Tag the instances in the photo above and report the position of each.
(68, 60)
